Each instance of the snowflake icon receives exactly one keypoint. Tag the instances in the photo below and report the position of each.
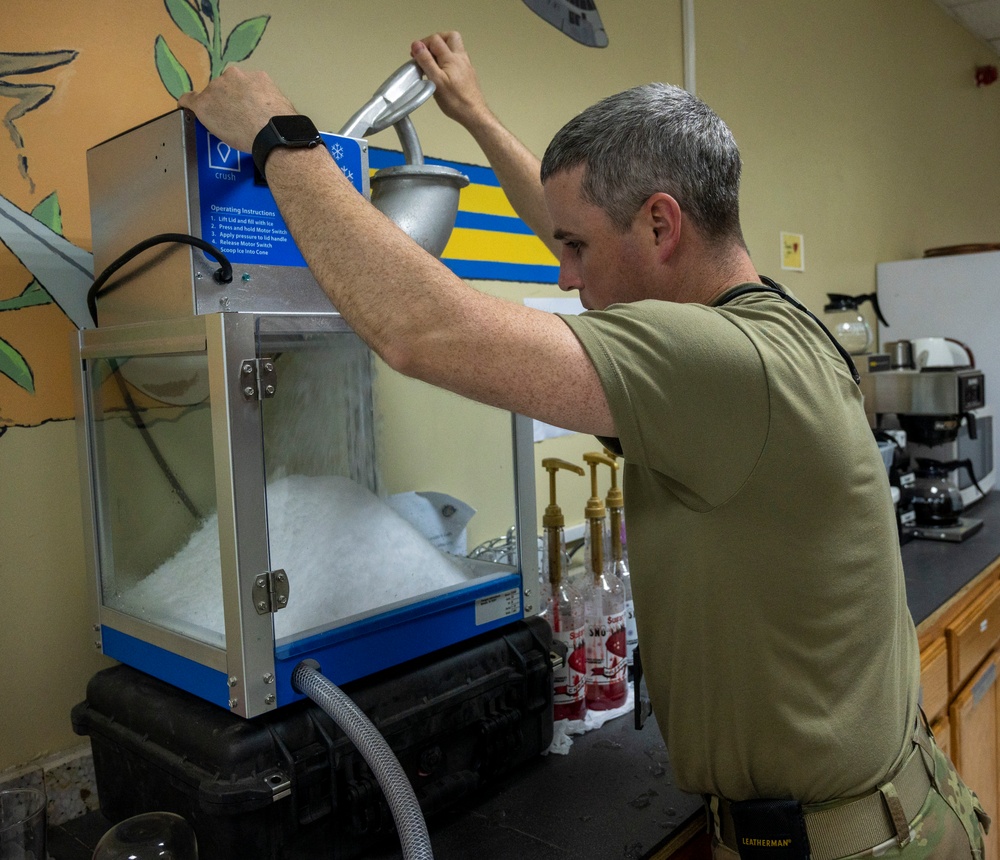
(338, 151)
(347, 172)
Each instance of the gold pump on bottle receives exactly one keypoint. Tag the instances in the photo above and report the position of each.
(564, 607)
(605, 606)
(618, 563)
(554, 522)
(595, 513)
(616, 510)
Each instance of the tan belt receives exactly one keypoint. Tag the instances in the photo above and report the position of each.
(856, 825)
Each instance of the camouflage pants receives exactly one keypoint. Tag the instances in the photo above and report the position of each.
(947, 827)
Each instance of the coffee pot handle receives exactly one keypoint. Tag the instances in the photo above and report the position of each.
(967, 465)
(873, 298)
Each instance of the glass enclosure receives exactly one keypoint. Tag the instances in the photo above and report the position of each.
(378, 488)
(152, 434)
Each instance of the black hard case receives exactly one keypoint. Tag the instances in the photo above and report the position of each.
(456, 719)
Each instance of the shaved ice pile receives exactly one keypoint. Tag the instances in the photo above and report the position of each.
(346, 553)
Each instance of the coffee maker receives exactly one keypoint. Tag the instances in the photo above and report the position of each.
(928, 389)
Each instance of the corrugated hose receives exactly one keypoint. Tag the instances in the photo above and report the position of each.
(376, 752)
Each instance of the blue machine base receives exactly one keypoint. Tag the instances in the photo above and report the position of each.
(368, 646)
(209, 684)
(345, 653)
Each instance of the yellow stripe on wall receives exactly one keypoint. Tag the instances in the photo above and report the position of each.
(498, 247)
(490, 241)
(486, 199)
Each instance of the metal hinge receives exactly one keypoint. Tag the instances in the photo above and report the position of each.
(270, 591)
(258, 378)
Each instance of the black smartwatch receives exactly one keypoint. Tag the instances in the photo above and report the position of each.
(295, 131)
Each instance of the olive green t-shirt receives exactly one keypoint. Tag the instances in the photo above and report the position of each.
(778, 649)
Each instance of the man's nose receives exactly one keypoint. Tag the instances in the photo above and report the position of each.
(569, 279)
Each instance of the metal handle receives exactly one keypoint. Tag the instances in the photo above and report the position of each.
(401, 94)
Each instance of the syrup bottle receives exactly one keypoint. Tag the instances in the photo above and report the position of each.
(564, 607)
(605, 607)
(618, 560)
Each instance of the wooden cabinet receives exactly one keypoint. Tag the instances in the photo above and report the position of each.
(972, 635)
(934, 679)
(960, 690)
(975, 727)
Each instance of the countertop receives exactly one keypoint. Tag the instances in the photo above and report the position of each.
(613, 794)
(937, 570)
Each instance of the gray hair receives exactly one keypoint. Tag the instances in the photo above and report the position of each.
(650, 139)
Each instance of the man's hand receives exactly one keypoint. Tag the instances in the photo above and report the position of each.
(443, 59)
(237, 105)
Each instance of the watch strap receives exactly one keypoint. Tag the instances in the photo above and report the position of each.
(295, 131)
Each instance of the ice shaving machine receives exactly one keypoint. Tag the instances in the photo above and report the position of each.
(258, 488)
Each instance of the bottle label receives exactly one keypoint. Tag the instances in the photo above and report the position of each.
(606, 649)
(568, 680)
(631, 633)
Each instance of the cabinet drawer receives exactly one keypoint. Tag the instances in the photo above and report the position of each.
(971, 636)
(934, 678)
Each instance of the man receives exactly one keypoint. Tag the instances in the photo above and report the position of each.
(779, 651)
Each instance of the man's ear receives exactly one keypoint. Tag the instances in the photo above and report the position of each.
(664, 217)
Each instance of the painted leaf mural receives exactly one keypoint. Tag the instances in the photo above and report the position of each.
(12, 363)
(174, 76)
(48, 213)
(194, 22)
(27, 97)
(188, 20)
(243, 40)
(13, 366)
(58, 267)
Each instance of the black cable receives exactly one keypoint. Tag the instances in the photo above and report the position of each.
(150, 443)
(223, 275)
(772, 287)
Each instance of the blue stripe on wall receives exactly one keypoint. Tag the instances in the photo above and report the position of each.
(493, 223)
(489, 271)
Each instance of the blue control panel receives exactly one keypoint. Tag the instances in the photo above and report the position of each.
(238, 212)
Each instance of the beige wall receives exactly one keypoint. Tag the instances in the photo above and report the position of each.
(860, 125)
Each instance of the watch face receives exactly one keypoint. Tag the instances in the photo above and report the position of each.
(295, 129)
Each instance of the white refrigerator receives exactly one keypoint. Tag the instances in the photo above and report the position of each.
(955, 296)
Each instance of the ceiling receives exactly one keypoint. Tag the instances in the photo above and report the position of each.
(979, 17)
